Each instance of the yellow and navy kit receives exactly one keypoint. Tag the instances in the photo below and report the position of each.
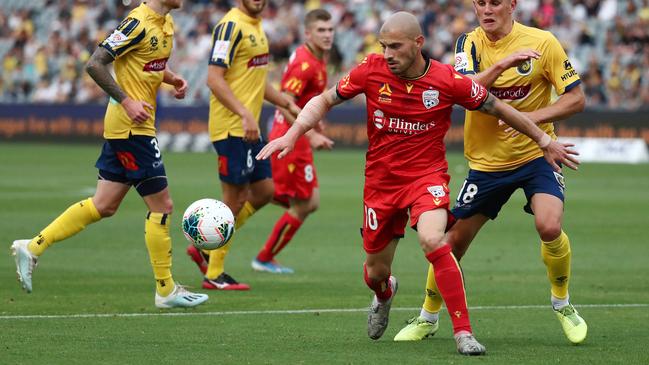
(141, 46)
(526, 87)
(240, 45)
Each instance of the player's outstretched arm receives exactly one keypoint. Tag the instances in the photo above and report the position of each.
(97, 68)
(312, 112)
(554, 151)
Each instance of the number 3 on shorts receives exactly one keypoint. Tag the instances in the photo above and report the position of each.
(467, 193)
(370, 219)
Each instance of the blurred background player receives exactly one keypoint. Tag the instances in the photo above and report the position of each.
(294, 176)
(237, 79)
(500, 163)
(140, 47)
(409, 101)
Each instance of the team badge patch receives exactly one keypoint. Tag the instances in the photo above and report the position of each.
(524, 68)
(116, 39)
(430, 98)
(220, 50)
(437, 191)
(461, 61)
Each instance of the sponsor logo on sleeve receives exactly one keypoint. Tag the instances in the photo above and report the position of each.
(567, 65)
(461, 61)
(220, 50)
(430, 98)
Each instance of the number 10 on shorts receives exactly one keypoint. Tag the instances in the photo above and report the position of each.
(370, 219)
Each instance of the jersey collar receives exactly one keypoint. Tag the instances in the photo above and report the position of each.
(426, 69)
(162, 20)
(245, 17)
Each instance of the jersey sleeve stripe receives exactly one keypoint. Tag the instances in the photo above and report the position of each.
(474, 58)
(217, 32)
(459, 45)
(228, 31)
(130, 27)
(234, 46)
(571, 86)
(133, 42)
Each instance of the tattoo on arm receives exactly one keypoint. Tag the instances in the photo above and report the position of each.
(489, 106)
(97, 68)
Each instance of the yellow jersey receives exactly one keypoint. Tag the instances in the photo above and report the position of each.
(526, 87)
(141, 46)
(240, 45)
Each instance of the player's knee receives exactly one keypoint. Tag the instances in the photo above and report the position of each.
(168, 206)
(431, 241)
(548, 231)
(313, 206)
(106, 210)
(377, 271)
(459, 243)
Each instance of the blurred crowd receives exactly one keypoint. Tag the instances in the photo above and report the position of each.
(44, 44)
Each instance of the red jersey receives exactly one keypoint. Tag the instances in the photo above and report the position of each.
(305, 76)
(407, 118)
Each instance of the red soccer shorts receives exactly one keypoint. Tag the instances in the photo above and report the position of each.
(386, 212)
(294, 175)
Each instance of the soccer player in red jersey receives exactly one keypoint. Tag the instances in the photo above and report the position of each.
(409, 102)
(294, 177)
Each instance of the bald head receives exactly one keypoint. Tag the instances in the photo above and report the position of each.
(404, 23)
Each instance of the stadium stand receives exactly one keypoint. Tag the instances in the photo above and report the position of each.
(45, 43)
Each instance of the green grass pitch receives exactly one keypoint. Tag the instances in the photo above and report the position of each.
(97, 287)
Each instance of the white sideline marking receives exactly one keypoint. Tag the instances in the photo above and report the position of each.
(298, 311)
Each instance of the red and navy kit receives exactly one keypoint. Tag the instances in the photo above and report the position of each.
(407, 120)
(294, 175)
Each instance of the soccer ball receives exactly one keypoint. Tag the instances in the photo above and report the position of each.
(208, 224)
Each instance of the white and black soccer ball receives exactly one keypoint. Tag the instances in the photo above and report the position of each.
(208, 224)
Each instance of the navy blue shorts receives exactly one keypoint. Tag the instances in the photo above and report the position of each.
(237, 162)
(486, 192)
(135, 161)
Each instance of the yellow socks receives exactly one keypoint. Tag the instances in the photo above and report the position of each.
(158, 243)
(217, 257)
(433, 300)
(69, 223)
(556, 256)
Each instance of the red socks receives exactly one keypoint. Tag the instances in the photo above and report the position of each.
(282, 233)
(382, 289)
(451, 286)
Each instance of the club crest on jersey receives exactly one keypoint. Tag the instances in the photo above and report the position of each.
(524, 68)
(154, 43)
(430, 98)
(379, 119)
(437, 191)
